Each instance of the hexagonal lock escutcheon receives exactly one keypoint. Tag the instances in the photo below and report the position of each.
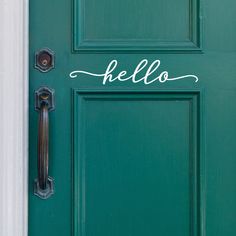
(44, 60)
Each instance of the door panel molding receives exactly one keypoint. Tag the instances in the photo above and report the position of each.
(14, 117)
(126, 38)
(195, 172)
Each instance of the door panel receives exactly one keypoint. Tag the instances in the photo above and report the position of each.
(122, 25)
(138, 182)
(130, 158)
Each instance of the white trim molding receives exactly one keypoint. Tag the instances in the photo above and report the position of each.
(13, 117)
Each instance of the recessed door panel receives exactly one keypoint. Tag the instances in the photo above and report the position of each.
(122, 25)
(140, 179)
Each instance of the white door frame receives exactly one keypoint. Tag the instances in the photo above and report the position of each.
(13, 117)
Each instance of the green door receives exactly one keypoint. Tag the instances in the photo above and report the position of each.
(142, 138)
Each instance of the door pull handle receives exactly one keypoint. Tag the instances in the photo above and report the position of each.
(44, 103)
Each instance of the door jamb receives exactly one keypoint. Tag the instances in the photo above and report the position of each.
(14, 117)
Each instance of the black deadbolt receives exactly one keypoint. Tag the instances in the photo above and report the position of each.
(44, 60)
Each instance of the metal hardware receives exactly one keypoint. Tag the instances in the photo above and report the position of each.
(44, 102)
(44, 60)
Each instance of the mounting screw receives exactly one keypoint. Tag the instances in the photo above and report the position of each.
(44, 60)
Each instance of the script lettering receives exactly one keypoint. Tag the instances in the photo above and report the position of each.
(148, 78)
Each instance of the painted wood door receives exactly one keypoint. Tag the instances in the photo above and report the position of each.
(142, 138)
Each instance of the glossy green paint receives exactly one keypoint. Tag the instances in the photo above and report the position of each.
(135, 159)
(140, 181)
(125, 26)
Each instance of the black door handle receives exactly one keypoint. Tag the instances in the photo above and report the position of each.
(44, 102)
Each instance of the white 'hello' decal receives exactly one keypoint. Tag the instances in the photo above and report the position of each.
(122, 76)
